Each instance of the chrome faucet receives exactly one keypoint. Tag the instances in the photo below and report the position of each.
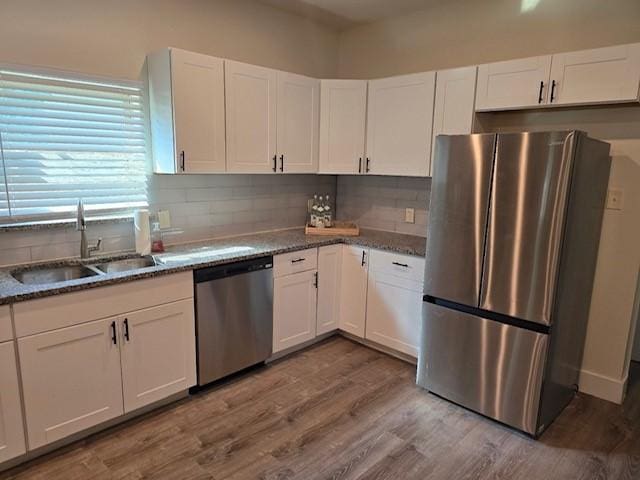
(81, 226)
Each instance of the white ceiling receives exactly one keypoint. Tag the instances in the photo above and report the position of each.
(343, 14)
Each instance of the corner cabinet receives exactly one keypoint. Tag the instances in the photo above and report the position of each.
(343, 114)
(298, 123)
(186, 94)
(251, 118)
(399, 125)
(353, 306)
(12, 440)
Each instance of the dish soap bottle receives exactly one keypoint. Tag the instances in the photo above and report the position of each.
(157, 245)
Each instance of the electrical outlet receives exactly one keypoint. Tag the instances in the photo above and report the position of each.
(164, 219)
(614, 199)
(410, 215)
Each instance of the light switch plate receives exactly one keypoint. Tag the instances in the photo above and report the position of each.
(410, 215)
(614, 199)
(164, 219)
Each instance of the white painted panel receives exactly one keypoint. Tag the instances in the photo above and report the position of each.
(251, 118)
(353, 307)
(199, 118)
(71, 380)
(343, 111)
(513, 84)
(6, 330)
(294, 262)
(394, 312)
(294, 309)
(158, 353)
(329, 285)
(49, 313)
(602, 75)
(399, 125)
(404, 266)
(12, 442)
(298, 123)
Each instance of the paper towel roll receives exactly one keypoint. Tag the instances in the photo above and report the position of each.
(142, 231)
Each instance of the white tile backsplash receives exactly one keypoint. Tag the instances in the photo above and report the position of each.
(380, 202)
(201, 207)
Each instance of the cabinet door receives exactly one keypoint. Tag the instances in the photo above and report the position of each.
(197, 83)
(158, 353)
(513, 84)
(343, 111)
(71, 380)
(394, 312)
(11, 427)
(294, 309)
(353, 307)
(329, 274)
(251, 118)
(454, 105)
(399, 125)
(298, 123)
(602, 75)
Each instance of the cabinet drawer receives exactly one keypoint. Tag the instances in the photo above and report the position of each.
(404, 266)
(295, 262)
(6, 332)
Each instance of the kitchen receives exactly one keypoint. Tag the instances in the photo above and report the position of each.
(232, 115)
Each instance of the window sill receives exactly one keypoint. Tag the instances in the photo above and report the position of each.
(63, 223)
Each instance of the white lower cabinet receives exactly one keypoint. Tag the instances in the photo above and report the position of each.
(158, 353)
(353, 298)
(71, 380)
(394, 309)
(294, 309)
(12, 442)
(329, 284)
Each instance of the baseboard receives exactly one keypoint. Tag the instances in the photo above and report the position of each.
(606, 388)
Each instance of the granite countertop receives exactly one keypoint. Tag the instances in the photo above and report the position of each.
(205, 254)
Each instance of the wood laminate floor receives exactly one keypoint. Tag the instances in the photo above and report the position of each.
(342, 411)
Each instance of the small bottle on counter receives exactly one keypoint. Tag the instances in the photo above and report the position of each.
(314, 212)
(157, 245)
(327, 214)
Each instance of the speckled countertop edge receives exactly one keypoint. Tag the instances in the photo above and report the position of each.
(261, 244)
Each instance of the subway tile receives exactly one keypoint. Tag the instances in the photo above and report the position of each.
(14, 256)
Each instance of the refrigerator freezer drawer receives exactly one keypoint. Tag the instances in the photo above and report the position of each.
(486, 366)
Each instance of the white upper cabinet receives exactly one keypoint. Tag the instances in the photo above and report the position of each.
(158, 352)
(329, 285)
(343, 110)
(186, 92)
(602, 75)
(298, 119)
(399, 125)
(12, 442)
(454, 105)
(513, 84)
(251, 118)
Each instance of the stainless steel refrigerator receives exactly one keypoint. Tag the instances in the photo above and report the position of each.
(512, 242)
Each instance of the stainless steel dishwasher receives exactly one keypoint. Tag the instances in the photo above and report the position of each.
(234, 317)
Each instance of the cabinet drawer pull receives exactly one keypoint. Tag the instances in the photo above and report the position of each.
(315, 279)
(367, 169)
(114, 337)
(275, 163)
(282, 163)
(404, 265)
(182, 160)
(363, 254)
(126, 329)
(360, 165)
(553, 89)
(297, 260)
(540, 92)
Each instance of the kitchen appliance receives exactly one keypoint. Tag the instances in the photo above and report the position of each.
(514, 228)
(234, 317)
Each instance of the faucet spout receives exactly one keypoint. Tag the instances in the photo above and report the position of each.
(81, 226)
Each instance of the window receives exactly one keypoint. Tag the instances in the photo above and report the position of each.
(62, 139)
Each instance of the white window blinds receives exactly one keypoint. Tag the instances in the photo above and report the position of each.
(63, 139)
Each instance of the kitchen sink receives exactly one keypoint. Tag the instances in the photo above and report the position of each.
(53, 274)
(125, 264)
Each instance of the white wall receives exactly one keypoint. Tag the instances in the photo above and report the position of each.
(112, 37)
(454, 33)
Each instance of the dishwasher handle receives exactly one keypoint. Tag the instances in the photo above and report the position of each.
(230, 269)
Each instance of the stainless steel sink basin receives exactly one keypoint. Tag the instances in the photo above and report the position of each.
(125, 264)
(53, 274)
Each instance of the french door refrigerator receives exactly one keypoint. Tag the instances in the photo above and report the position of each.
(514, 228)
